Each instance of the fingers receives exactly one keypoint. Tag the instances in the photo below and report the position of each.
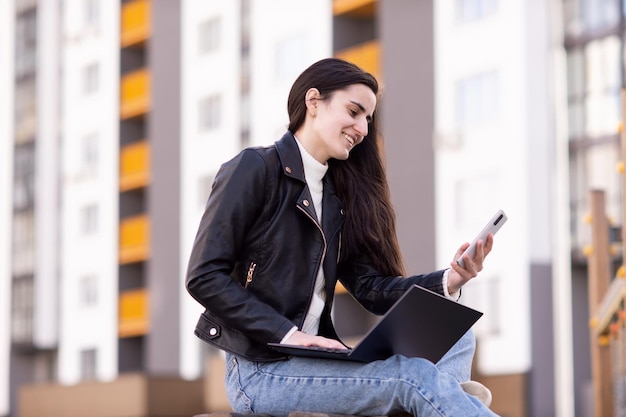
(472, 266)
(330, 343)
(488, 244)
(305, 339)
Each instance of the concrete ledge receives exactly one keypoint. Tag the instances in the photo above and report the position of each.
(293, 414)
(130, 395)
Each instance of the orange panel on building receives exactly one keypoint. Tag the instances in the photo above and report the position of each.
(135, 166)
(134, 313)
(135, 94)
(135, 24)
(134, 239)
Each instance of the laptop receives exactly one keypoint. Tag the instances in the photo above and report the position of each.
(421, 324)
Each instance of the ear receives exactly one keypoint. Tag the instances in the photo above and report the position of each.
(311, 98)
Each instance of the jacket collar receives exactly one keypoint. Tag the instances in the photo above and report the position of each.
(291, 161)
(290, 158)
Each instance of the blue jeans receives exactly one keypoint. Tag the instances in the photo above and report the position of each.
(398, 384)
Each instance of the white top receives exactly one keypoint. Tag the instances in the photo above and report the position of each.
(314, 172)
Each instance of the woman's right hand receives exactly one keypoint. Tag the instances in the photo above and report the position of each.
(305, 339)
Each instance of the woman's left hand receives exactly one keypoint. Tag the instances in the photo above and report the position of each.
(459, 275)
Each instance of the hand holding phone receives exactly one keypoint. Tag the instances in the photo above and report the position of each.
(492, 227)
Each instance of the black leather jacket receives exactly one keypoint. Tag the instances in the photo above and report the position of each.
(258, 249)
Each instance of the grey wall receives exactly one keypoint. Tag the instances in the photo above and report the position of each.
(406, 33)
(541, 378)
(162, 348)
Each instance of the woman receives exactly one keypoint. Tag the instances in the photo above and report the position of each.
(282, 225)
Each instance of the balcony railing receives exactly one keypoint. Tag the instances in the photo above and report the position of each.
(134, 245)
(607, 302)
(134, 313)
(354, 8)
(365, 55)
(135, 94)
(135, 166)
(135, 22)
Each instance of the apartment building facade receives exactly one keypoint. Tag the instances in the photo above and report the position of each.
(495, 144)
(6, 191)
(592, 44)
(121, 113)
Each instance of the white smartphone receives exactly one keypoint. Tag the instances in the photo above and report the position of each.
(492, 227)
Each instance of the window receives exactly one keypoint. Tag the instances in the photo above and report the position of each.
(291, 57)
(593, 88)
(89, 154)
(21, 5)
(588, 171)
(602, 85)
(92, 12)
(90, 79)
(23, 257)
(25, 110)
(477, 99)
(22, 310)
(209, 112)
(209, 35)
(588, 16)
(481, 192)
(88, 291)
(576, 92)
(89, 219)
(24, 177)
(486, 297)
(88, 364)
(468, 10)
(599, 14)
(26, 44)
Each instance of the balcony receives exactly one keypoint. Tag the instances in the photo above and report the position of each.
(130, 395)
(365, 55)
(135, 94)
(134, 244)
(354, 8)
(134, 313)
(135, 166)
(135, 22)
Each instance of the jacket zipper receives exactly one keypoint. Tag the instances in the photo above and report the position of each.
(339, 250)
(323, 253)
(321, 232)
(250, 274)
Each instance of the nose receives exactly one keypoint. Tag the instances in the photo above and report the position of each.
(361, 127)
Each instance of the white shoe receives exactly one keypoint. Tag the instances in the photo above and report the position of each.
(478, 390)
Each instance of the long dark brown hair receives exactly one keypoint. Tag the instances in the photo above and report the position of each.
(361, 180)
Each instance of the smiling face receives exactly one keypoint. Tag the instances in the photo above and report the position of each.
(335, 124)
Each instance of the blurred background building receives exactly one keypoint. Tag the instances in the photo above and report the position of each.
(117, 115)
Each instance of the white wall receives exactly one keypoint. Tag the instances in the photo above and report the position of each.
(287, 36)
(96, 255)
(202, 152)
(45, 289)
(6, 187)
(486, 169)
(271, 22)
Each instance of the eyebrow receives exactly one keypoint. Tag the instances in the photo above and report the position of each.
(360, 106)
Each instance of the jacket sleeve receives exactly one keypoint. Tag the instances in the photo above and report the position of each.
(376, 292)
(235, 203)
